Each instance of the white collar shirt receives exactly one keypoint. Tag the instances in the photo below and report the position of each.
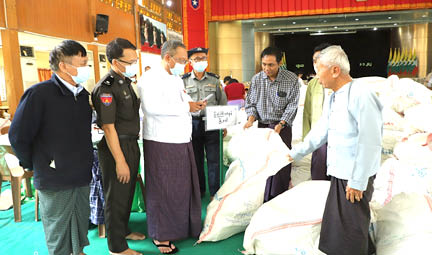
(165, 106)
(74, 89)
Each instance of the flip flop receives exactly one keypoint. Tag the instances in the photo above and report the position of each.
(175, 250)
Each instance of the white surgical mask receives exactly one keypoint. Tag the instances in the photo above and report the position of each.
(200, 66)
(178, 69)
(131, 70)
(83, 74)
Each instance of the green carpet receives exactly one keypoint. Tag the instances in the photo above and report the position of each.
(27, 237)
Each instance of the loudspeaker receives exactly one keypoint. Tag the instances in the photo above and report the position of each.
(101, 23)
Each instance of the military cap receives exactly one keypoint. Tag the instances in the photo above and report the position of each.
(196, 50)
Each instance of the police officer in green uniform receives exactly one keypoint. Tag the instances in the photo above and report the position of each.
(200, 84)
(117, 109)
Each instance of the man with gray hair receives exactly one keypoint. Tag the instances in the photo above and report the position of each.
(51, 135)
(352, 126)
(173, 199)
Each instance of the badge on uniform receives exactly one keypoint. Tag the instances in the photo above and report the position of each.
(106, 98)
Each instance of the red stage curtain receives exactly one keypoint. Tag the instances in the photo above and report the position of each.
(224, 10)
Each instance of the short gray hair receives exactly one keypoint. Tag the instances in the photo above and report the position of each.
(335, 56)
(169, 47)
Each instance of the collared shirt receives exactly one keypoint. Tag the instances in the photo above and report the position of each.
(272, 101)
(116, 103)
(313, 106)
(199, 89)
(165, 105)
(74, 89)
(352, 126)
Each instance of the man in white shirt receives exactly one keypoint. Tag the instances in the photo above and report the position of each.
(173, 200)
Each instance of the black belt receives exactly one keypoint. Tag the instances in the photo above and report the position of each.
(128, 137)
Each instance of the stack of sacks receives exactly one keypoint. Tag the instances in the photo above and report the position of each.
(404, 225)
(409, 171)
(418, 119)
(260, 153)
(394, 125)
(290, 223)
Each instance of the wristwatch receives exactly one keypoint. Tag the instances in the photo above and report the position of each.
(283, 124)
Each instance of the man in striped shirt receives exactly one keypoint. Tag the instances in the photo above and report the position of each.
(273, 100)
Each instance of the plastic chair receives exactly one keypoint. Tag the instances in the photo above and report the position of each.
(11, 171)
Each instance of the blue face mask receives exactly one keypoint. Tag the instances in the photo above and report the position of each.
(131, 70)
(200, 66)
(178, 69)
(83, 74)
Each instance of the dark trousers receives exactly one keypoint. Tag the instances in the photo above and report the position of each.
(208, 140)
(278, 183)
(345, 226)
(319, 164)
(118, 196)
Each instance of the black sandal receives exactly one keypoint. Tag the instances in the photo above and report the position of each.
(175, 250)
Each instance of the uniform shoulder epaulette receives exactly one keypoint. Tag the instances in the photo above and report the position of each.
(213, 75)
(186, 75)
(108, 81)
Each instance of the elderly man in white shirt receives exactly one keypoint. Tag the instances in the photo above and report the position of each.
(173, 200)
(352, 126)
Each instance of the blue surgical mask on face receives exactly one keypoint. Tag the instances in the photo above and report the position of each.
(83, 74)
(200, 66)
(178, 69)
(131, 70)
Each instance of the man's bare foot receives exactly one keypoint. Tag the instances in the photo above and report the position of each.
(165, 247)
(135, 236)
(126, 252)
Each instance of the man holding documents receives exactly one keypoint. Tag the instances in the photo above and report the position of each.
(173, 201)
(201, 85)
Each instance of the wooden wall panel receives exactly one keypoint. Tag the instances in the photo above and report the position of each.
(2, 15)
(64, 19)
(73, 19)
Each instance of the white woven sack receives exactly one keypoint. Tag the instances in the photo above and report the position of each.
(290, 223)
(261, 153)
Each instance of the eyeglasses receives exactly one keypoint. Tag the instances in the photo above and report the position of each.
(198, 59)
(180, 61)
(126, 62)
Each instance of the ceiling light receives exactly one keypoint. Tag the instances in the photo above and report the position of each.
(356, 19)
(294, 22)
(424, 16)
(335, 26)
(169, 3)
(389, 17)
(307, 28)
(375, 28)
(395, 24)
(334, 33)
(279, 29)
(324, 21)
(264, 24)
